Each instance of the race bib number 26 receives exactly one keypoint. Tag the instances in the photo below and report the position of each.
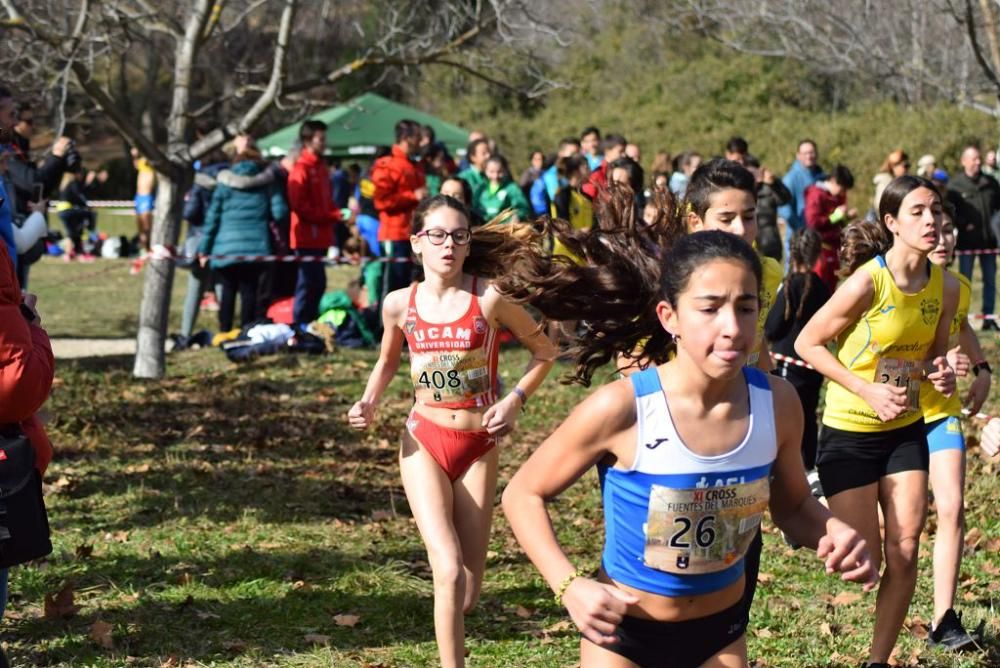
(702, 530)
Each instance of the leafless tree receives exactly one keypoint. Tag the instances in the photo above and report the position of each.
(153, 68)
(913, 50)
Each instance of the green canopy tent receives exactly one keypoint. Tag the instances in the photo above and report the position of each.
(358, 127)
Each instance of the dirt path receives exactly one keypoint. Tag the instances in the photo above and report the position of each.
(73, 348)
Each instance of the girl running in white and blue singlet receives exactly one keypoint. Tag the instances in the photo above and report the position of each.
(689, 455)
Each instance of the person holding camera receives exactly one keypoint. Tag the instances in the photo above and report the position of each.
(33, 183)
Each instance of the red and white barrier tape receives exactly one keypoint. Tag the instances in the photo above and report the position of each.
(778, 357)
(982, 251)
(160, 252)
(102, 203)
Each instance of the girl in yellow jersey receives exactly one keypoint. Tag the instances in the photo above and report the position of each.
(888, 318)
(722, 195)
(947, 455)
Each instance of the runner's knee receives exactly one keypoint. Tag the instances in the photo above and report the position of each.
(901, 553)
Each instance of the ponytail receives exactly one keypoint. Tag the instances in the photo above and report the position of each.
(860, 243)
(612, 285)
(803, 250)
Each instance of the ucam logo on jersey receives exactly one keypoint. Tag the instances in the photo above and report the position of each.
(439, 333)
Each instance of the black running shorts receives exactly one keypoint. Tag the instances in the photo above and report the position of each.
(851, 459)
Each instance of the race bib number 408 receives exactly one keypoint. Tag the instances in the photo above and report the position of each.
(694, 531)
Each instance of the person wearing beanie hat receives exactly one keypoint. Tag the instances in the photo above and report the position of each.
(940, 178)
(926, 166)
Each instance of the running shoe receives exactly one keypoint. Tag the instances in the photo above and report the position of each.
(990, 326)
(950, 634)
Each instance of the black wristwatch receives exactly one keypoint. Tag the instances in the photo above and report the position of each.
(981, 366)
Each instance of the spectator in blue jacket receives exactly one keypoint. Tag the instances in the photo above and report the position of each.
(544, 188)
(804, 172)
(244, 203)
(196, 205)
(6, 217)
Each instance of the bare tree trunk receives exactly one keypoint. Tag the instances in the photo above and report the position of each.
(150, 359)
(990, 28)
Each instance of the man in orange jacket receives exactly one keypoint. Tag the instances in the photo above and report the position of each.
(399, 187)
(26, 370)
(314, 215)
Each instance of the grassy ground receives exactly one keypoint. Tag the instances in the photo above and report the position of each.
(225, 516)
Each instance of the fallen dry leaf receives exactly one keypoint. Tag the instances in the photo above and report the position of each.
(763, 633)
(234, 645)
(100, 632)
(973, 538)
(61, 483)
(764, 578)
(380, 515)
(347, 620)
(523, 612)
(560, 626)
(60, 605)
(826, 629)
(919, 630)
(318, 639)
(845, 598)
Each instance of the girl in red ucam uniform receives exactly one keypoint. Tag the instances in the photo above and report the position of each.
(448, 457)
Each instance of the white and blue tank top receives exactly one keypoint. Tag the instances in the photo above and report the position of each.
(678, 523)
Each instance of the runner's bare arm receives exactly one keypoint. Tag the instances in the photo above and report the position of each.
(594, 430)
(393, 310)
(943, 377)
(979, 389)
(797, 512)
(543, 354)
(602, 426)
(844, 307)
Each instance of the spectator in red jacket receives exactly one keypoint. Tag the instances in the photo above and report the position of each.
(399, 187)
(26, 368)
(314, 215)
(826, 212)
(614, 148)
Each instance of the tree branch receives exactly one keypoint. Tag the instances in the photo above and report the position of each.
(219, 136)
(970, 26)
